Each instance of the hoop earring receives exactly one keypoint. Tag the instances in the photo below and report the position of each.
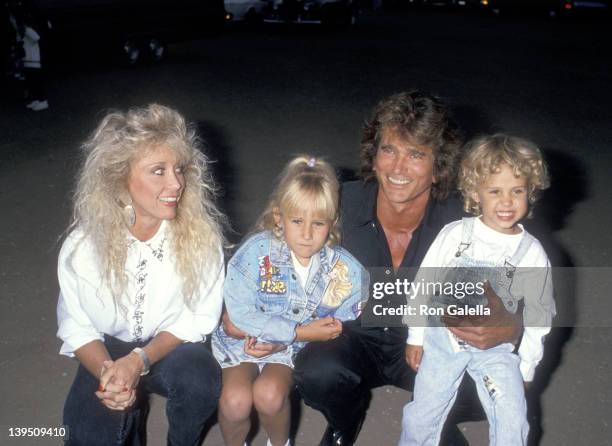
(129, 214)
(278, 231)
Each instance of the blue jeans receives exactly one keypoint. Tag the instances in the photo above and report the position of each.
(189, 377)
(498, 381)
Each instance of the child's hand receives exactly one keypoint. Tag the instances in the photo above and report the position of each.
(414, 354)
(260, 349)
(230, 329)
(322, 329)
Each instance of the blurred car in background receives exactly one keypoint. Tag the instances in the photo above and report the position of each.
(457, 4)
(445, 3)
(551, 8)
(325, 12)
(579, 7)
(140, 29)
(246, 10)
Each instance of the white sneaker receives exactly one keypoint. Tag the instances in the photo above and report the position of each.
(33, 104)
(40, 105)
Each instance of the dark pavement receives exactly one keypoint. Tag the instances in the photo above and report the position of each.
(261, 96)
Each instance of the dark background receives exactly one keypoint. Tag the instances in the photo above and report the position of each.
(259, 96)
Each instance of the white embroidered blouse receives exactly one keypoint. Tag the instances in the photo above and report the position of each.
(154, 303)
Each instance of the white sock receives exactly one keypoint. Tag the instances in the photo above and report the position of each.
(270, 444)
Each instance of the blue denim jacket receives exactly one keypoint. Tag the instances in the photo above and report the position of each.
(265, 298)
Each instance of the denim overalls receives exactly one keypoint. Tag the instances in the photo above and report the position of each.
(265, 298)
(495, 371)
(465, 269)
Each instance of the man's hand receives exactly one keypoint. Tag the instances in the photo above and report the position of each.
(230, 329)
(322, 329)
(484, 332)
(414, 354)
(260, 349)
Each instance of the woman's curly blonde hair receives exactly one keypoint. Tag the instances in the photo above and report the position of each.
(486, 154)
(196, 235)
(305, 179)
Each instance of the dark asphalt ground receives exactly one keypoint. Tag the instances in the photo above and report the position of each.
(260, 96)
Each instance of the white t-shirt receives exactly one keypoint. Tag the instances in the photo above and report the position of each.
(495, 247)
(300, 270)
(154, 303)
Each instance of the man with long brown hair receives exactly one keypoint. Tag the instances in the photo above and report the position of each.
(409, 154)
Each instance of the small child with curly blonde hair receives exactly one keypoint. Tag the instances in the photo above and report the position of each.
(500, 177)
(288, 284)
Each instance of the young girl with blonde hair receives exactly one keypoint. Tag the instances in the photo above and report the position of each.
(288, 284)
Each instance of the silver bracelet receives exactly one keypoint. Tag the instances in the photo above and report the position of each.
(145, 360)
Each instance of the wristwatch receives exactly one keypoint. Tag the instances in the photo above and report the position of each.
(145, 360)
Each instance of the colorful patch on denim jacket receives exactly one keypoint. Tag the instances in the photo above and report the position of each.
(339, 287)
(271, 280)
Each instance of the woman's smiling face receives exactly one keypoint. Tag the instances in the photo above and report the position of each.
(155, 184)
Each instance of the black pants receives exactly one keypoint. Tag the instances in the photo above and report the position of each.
(335, 377)
(188, 377)
(35, 83)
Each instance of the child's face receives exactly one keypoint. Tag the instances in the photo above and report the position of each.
(503, 199)
(305, 233)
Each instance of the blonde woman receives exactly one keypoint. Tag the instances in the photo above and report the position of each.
(141, 276)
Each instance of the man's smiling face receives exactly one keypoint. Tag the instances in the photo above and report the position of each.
(404, 170)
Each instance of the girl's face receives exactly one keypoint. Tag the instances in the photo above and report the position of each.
(305, 233)
(503, 200)
(155, 185)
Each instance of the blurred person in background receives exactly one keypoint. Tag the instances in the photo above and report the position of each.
(28, 47)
